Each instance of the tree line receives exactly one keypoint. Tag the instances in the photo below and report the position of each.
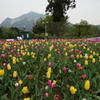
(6, 32)
(64, 29)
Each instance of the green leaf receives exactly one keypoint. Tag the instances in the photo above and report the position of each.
(97, 97)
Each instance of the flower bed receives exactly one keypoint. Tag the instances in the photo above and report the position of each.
(50, 69)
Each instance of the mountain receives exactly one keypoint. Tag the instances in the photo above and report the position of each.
(26, 20)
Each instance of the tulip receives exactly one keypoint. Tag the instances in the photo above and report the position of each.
(86, 62)
(48, 74)
(64, 69)
(52, 85)
(77, 56)
(16, 84)
(26, 99)
(25, 90)
(73, 90)
(54, 81)
(30, 77)
(83, 76)
(72, 56)
(76, 51)
(46, 95)
(8, 66)
(4, 64)
(93, 60)
(14, 61)
(81, 56)
(67, 85)
(2, 72)
(91, 56)
(56, 97)
(45, 59)
(49, 55)
(49, 64)
(15, 74)
(74, 61)
(24, 63)
(66, 54)
(87, 85)
(20, 82)
(3, 55)
(49, 69)
(49, 82)
(46, 87)
(78, 65)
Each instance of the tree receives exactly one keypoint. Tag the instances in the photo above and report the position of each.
(82, 28)
(53, 28)
(58, 9)
(38, 27)
(15, 29)
(5, 32)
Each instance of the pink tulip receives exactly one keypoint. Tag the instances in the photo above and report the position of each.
(64, 69)
(83, 76)
(49, 82)
(50, 64)
(76, 51)
(72, 56)
(67, 85)
(46, 95)
(3, 55)
(78, 65)
(4, 64)
(8, 48)
(59, 52)
(52, 85)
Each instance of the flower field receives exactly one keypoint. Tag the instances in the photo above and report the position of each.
(56, 69)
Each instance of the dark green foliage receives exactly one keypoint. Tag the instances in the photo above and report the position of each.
(54, 29)
(58, 8)
(7, 33)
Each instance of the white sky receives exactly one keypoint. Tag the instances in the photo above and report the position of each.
(85, 9)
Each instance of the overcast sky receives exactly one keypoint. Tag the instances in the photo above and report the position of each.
(85, 9)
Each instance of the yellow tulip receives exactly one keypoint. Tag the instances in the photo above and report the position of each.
(93, 60)
(49, 69)
(66, 54)
(8, 66)
(86, 62)
(33, 56)
(87, 85)
(17, 60)
(88, 49)
(20, 82)
(48, 74)
(28, 54)
(14, 61)
(21, 59)
(49, 55)
(15, 74)
(81, 56)
(97, 54)
(26, 99)
(2, 72)
(25, 90)
(91, 56)
(73, 90)
(94, 53)
(77, 56)
(86, 56)
(45, 59)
